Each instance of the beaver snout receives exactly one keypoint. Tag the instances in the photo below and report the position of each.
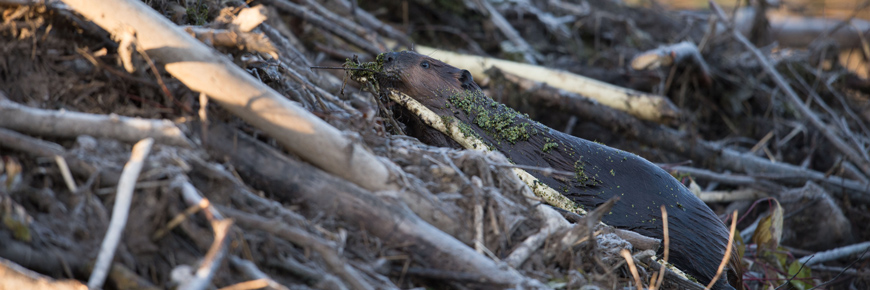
(390, 57)
(391, 62)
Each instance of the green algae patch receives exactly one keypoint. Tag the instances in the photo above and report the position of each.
(498, 121)
(549, 145)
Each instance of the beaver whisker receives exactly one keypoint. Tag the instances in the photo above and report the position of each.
(344, 68)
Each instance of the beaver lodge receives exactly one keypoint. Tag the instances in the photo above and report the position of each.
(274, 144)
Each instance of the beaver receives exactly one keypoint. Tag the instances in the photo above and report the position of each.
(698, 238)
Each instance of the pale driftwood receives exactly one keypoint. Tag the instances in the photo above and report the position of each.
(392, 223)
(792, 97)
(838, 253)
(204, 70)
(13, 276)
(72, 124)
(669, 139)
(119, 213)
(669, 55)
(732, 195)
(643, 105)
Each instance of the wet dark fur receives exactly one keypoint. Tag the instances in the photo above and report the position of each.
(698, 238)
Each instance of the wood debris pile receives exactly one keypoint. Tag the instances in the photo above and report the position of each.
(191, 144)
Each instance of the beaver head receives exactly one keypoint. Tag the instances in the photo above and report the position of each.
(426, 79)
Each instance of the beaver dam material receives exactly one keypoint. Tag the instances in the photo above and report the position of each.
(464, 116)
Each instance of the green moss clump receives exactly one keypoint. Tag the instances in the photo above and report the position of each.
(498, 121)
(365, 71)
(549, 145)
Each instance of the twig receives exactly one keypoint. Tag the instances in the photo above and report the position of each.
(212, 260)
(119, 212)
(834, 254)
(728, 249)
(64, 172)
(792, 96)
(667, 242)
(628, 259)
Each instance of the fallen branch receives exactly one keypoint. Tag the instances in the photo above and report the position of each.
(68, 124)
(642, 105)
(203, 70)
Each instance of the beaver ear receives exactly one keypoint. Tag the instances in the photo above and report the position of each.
(465, 79)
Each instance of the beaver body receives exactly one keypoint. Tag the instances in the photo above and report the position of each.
(697, 237)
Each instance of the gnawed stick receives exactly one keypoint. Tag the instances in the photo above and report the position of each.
(69, 124)
(643, 105)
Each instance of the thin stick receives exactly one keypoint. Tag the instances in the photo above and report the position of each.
(119, 212)
(67, 176)
(630, 261)
(793, 98)
(727, 250)
(212, 260)
(667, 243)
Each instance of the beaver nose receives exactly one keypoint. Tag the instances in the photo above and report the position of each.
(390, 57)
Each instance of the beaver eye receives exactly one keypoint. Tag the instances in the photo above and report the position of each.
(424, 64)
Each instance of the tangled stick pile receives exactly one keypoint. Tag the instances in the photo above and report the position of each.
(266, 173)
